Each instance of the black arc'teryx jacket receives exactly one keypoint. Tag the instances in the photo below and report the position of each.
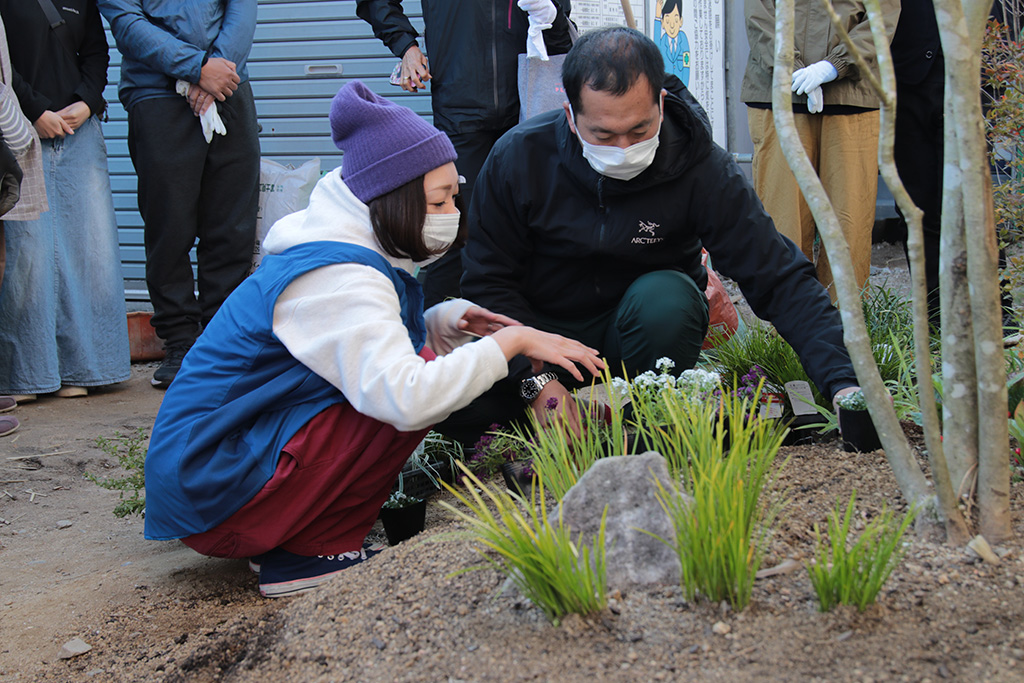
(549, 235)
(473, 48)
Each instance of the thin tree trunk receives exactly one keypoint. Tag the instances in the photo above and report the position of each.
(956, 526)
(961, 29)
(960, 399)
(911, 481)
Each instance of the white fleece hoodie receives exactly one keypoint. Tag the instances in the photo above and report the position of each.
(344, 322)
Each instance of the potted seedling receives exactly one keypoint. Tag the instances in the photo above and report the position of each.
(519, 476)
(855, 425)
(403, 516)
(430, 463)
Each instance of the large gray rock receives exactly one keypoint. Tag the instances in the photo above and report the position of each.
(626, 485)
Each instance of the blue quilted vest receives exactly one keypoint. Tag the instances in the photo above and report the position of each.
(240, 396)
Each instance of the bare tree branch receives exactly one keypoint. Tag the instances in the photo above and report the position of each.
(911, 480)
(956, 527)
(961, 29)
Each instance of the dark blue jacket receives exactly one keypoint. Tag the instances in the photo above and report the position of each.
(163, 41)
(240, 396)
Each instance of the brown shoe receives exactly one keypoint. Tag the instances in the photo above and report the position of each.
(68, 391)
(8, 423)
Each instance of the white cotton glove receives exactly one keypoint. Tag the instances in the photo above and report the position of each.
(815, 101)
(209, 120)
(542, 15)
(808, 81)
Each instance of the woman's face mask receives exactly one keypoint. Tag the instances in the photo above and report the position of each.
(616, 162)
(439, 233)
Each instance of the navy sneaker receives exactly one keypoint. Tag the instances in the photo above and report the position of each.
(283, 573)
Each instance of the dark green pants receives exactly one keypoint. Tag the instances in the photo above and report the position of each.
(662, 314)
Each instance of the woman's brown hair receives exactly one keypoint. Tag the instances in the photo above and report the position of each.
(397, 218)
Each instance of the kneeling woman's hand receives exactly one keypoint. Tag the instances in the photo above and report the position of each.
(544, 347)
(481, 322)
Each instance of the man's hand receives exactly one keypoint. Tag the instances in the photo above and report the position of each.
(75, 114)
(52, 125)
(480, 322)
(199, 99)
(219, 78)
(555, 406)
(415, 70)
(842, 392)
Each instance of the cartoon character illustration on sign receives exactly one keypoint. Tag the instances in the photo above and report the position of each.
(672, 40)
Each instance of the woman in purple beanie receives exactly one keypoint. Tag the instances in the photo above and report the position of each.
(292, 415)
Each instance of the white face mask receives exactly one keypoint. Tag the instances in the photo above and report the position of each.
(439, 232)
(616, 162)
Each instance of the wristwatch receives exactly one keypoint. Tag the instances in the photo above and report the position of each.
(531, 386)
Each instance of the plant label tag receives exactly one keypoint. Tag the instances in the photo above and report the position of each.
(800, 397)
(771, 406)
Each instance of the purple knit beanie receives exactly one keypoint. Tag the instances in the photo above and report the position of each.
(386, 145)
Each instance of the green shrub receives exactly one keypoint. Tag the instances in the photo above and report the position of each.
(557, 573)
(845, 574)
(130, 452)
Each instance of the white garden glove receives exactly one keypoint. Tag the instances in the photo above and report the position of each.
(808, 81)
(542, 15)
(210, 120)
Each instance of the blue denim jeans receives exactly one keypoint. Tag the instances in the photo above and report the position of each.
(62, 311)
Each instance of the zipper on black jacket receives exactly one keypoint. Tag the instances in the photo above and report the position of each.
(494, 52)
(600, 234)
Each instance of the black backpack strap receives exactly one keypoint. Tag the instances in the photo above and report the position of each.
(58, 25)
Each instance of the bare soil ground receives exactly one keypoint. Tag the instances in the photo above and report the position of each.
(158, 611)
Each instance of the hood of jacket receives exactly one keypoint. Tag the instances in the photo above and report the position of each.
(334, 214)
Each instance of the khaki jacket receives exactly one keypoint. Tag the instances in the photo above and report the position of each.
(815, 40)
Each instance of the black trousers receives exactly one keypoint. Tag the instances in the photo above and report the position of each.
(190, 190)
(918, 152)
(443, 276)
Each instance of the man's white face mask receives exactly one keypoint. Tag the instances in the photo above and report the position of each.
(616, 162)
(439, 233)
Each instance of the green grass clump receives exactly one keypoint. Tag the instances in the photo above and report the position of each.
(721, 536)
(762, 346)
(561, 455)
(130, 452)
(559, 574)
(853, 574)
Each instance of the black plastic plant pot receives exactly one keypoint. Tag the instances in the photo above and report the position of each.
(401, 524)
(518, 478)
(858, 431)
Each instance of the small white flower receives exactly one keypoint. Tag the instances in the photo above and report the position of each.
(664, 364)
(619, 388)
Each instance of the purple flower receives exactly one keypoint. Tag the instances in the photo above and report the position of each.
(552, 403)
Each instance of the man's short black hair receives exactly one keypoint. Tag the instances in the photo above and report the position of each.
(611, 60)
(670, 5)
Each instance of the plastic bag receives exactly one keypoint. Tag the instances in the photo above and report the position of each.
(723, 319)
(283, 190)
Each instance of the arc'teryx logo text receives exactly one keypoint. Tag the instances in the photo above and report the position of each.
(647, 228)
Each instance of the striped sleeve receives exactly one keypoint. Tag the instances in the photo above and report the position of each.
(14, 126)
